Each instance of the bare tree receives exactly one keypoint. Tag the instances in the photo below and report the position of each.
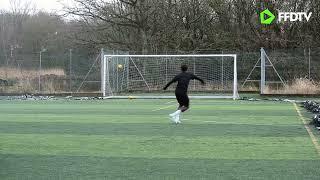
(153, 25)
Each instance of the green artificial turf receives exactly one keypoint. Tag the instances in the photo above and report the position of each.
(134, 139)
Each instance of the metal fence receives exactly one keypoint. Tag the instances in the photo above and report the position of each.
(74, 71)
(292, 65)
(45, 72)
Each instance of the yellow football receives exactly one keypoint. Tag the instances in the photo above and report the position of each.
(120, 66)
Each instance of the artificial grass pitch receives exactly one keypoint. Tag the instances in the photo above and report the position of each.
(134, 139)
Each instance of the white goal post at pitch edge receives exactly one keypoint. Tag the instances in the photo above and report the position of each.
(144, 76)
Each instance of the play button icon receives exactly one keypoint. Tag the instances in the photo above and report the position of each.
(266, 17)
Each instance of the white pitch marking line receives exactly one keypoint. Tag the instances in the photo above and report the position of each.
(199, 121)
(312, 136)
(210, 121)
(170, 102)
(167, 107)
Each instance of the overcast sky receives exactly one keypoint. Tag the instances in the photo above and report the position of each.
(46, 5)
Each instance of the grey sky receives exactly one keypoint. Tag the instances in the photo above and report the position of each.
(46, 5)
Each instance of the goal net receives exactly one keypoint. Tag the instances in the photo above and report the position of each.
(144, 76)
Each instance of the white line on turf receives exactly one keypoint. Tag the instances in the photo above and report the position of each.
(167, 107)
(210, 121)
(312, 136)
(170, 102)
(199, 121)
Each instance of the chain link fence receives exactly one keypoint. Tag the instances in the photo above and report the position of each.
(74, 71)
(290, 71)
(45, 72)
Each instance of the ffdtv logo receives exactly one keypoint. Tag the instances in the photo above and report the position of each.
(293, 17)
(267, 17)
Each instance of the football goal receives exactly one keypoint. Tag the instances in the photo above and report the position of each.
(144, 76)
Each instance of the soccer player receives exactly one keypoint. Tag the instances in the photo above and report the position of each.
(181, 92)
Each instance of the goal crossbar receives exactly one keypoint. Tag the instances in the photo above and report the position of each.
(185, 55)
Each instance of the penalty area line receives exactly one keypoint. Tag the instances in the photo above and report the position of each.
(166, 107)
(200, 121)
(170, 102)
(312, 136)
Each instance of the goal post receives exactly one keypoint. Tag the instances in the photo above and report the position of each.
(144, 76)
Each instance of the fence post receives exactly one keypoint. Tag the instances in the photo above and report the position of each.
(70, 71)
(39, 78)
(194, 70)
(40, 68)
(263, 72)
(309, 63)
(103, 73)
(222, 72)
